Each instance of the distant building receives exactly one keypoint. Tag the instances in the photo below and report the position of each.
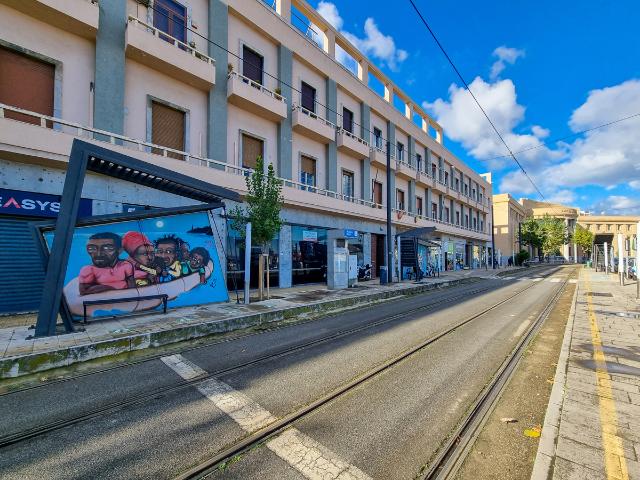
(508, 214)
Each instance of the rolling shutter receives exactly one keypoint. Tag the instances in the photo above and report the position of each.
(252, 148)
(167, 125)
(26, 83)
(22, 272)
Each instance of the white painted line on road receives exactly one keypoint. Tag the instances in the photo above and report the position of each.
(555, 280)
(536, 279)
(573, 280)
(508, 278)
(310, 458)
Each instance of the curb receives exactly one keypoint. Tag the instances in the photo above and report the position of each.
(16, 366)
(543, 466)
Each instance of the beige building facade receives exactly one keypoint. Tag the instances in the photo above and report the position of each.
(202, 87)
(606, 228)
(508, 214)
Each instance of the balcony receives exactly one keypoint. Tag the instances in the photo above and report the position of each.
(379, 159)
(313, 126)
(76, 16)
(351, 144)
(252, 96)
(404, 170)
(155, 49)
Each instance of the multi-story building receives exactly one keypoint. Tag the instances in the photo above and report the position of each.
(508, 214)
(606, 228)
(569, 215)
(203, 87)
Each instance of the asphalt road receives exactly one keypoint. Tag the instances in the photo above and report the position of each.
(388, 427)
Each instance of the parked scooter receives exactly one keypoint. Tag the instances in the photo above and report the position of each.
(364, 272)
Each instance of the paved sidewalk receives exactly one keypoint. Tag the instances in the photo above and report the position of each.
(592, 424)
(20, 355)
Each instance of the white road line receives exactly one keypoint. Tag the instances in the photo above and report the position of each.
(555, 280)
(573, 280)
(310, 458)
(508, 278)
(536, 279)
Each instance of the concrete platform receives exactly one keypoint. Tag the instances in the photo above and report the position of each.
(593, 418)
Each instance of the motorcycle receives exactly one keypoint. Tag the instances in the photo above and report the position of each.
(364, 272)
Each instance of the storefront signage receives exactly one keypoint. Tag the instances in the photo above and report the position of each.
(348, 233)
(309, 236)
(32, 204)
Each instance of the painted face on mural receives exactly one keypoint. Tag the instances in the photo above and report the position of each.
(196, 260)
(167, 251)
(144, 255)
(103, 251)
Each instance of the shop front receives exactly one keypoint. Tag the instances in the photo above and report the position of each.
(308, 255)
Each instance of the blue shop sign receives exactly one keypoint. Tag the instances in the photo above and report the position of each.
(32, 204)
(348, 233)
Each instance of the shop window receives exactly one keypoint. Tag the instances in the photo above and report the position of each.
(235, 260)
(308, 254)
(308, 97)
(171, 18)
(252, 65)
(377, 192)
(252, 148)
(167, 128)
(399, 199)
(26, 83)
(419, 205)
(347, 184)
(347, 119)
(307, 171)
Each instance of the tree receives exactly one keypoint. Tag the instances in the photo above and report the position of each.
(263, 203)
(583, 238)
(554, 234)
(531, 233)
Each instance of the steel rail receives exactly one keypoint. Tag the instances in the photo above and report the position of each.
(451, 457)
(158, 393)
(205, 468)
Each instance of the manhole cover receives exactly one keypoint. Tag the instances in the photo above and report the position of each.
(599, 294)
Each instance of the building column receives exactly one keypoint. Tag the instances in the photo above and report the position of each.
(285, 136)
(391, 136)
(411, 151)
(365, 123)
(217, 100)
(412, 196)
(332, 149)
(284, 257)
(108, 110)
(366, 249)
(427, 207)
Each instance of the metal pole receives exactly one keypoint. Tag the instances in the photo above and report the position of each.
(247, 263)
(621, 258)
(389, 238)
(493, 241)
(638, 261)
(606, 257)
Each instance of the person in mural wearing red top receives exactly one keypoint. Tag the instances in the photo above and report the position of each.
(107, 271)
(142, 258)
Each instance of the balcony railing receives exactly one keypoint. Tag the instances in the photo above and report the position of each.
(353, 136)
(315, 116)
(95, 134)
(168, 38)
(257, 86)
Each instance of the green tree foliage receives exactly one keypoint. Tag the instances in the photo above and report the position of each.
(521, 257)
(263, 204)
(531, 233)
(583, 238)
(554, 234)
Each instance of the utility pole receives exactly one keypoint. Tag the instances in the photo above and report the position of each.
(389, 238)
(621, 258)
(637, 261)
(247, 264)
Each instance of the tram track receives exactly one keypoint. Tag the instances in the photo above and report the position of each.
(205, 468)
(141, 398)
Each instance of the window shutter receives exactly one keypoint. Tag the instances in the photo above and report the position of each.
(252, 65)
(308, 165)
(167, 125)
(26, 83)
(308, 97)
(252, 148)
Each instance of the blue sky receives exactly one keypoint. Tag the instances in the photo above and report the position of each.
(542, 70)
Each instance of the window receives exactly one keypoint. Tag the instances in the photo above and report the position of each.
(419, 205)
(26, 83)
(377, 192)
(482, 225)
(457, 218)
(399, 199)
(347, 119)
(434, 211)
(466, 189)
(252, 64)
(419, 162)
(308, 97)
(475, 223)
(457, 184)
(167, 128)
(252, 148)
(466, 221)
(446, 178)
(347, 183)
(171, 18)
(446, 214)
(377, 136)
(307, 171)
(434, 169)
(473, 193)
(400, 152)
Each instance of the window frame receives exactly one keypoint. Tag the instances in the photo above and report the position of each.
(351, 174)
(344, 118)
(187, 120)
(240, 149)
(244, 46)
(304, 84)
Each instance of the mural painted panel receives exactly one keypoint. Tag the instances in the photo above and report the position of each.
(129, 260)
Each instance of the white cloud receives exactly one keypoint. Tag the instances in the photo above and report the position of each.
(619, 205)
(635, 184)
(564, 197)
(374, 43)
(540, 132)
(463, 122)
(506, 55)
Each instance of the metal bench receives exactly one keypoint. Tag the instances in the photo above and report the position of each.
(87, 303)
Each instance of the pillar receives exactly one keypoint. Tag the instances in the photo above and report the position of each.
(284, 257)
(391, 136)
(332, 149)
(217, 99)
(411, 151)
(365, 127)
(329, 43)
(283, 8)
(366, 250)
(412, 196)
(285, 137)
(108, 111)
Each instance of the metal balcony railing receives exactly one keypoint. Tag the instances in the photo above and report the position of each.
(258, 86)
(313, 115)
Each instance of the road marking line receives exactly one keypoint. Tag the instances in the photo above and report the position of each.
(573, 280)
(536, 279)
(615, 462)
(555, 280)
(310, 458)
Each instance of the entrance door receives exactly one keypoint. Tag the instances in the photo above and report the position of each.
(378, 254)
